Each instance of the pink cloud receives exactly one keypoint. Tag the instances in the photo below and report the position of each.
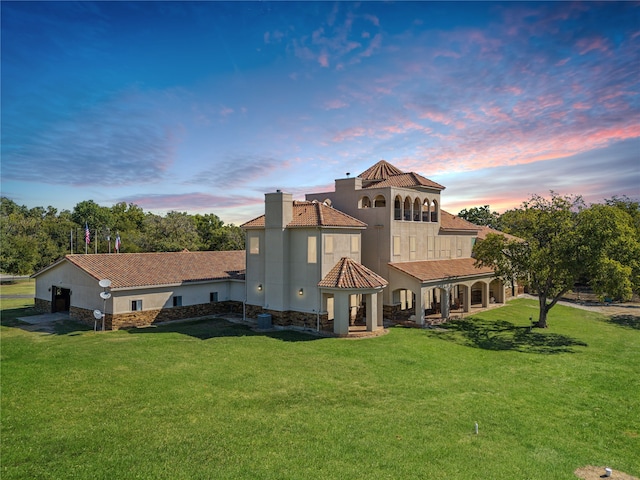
(323, 59)
(335, 104)
(189, 201)
(349, 134)
(373, 19)
(374, 45)
(586, 45)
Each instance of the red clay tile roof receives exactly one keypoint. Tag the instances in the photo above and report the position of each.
(452, 222)
(484, 231)
(313, 214)
(126, 270)
(348, 273)
(257, 222)
(383, 174)
(406, 180)
(430, 270)
(380, 171)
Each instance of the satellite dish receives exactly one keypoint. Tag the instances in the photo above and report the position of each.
(97, 314)
(105, 295)
(104, 283)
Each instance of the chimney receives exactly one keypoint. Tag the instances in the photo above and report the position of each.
(278, 209)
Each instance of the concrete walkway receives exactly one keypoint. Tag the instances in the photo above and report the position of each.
(45, 318)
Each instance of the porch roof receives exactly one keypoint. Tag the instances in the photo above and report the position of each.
(348, 273)
(429, 270)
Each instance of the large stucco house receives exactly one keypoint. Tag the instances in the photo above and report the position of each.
(377, 248)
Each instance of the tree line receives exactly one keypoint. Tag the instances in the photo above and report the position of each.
(562, 241)
(33, 238)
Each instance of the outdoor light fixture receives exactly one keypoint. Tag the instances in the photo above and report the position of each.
(260, 287)
(301, 291)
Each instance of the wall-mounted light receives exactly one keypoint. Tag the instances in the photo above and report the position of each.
(301, 291)
(260, 287)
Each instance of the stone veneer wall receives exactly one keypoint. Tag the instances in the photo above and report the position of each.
(292, 318)
(148, 317)
(43, 306)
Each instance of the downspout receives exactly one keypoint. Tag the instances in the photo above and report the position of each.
(319, 253)
(244, 302)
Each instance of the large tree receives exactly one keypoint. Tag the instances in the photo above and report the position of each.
(481, 216)
(564, 241)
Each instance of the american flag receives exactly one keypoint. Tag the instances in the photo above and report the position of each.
(87, 234)
(118, 243)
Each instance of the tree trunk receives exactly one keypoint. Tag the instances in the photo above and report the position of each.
(544, 309)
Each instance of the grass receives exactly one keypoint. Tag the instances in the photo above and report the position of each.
(211, 399)
(16, 300)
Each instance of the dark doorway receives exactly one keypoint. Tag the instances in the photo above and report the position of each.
(60, 299)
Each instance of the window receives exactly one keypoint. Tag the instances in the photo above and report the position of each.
(136, 305)
(355, 243)
(328, 244)
(365, 202)
(412, 248)
(425, 210)
(397, 209)
(254, 245)
(213, 297)
(312, 254)
(407, 209)
(177, 301)
(434, 212)
(396, 245)
(379, 201)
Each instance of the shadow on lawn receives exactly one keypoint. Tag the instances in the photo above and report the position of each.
(218, 327)
(11, 318)
(503, 335)
(630, 321)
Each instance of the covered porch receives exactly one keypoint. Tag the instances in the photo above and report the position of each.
(352, 298)
(433, 291)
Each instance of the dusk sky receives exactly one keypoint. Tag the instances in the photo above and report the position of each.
(203, 107)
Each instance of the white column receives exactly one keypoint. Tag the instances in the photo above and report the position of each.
(372, 311)
(341, 313)
(444, 302)
(420, 307)
(485, 294)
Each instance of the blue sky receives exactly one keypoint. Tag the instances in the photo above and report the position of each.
(205, 106)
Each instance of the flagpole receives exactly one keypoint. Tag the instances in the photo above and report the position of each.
(96, 250)
(71, 239)
(87, 236)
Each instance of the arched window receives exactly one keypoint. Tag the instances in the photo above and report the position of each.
(397, 209)
(434, 212)
(407, 208)
(425, 210)
(416, 210)
(365, 202)
(379, 201)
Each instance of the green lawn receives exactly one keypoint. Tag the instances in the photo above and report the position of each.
(211, 399)
(11, 308)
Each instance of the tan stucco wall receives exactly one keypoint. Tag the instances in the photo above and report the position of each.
(282, 265)
(162, 297)
(85, 291)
